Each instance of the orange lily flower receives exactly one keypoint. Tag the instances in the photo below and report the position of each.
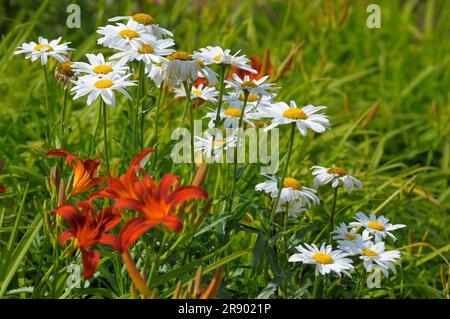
(155, 202)
(88, 229)
(84, 172)
(263, 68)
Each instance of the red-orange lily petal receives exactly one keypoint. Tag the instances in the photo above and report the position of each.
(90, 260)
(62, 153)
(84, 172)
(263, 67)
(88, 229)
(130, 232)
(156, 203)
(2, 189)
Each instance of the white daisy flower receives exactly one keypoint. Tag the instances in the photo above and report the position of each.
(326, 259)
(150, 52)
(217, 55)
(253, 101)
(148, 22)
(180, 67)
(44, 49)
(99, 67)
(334, 175)
(256, 87)
(292, 208)
(104, 87)
(206, 93)
(374, 255)
(155, 71)
(292, 190)
(124, 36)
(379, 227)
(347, 238)
(231, 117)
(214, 147)
(305, 117)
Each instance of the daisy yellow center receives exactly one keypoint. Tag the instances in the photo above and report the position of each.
(292, 183)
(369, 252)
(144, 19)
(103, 84)
(130, 34)
(220, 142)
(196, 92)
(39, 47)
(337, 170)
(251, 97)
(350, 236)
(65, 69)
(145, 49)
(322, 258)
(233, 112)
(102, 69)
(248, 85)
(180, 55)
(217, 58)
(295, 114)
(375, 225)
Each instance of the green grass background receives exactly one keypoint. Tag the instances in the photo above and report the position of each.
(388, 95)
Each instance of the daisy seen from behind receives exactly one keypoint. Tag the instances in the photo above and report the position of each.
(180, 67)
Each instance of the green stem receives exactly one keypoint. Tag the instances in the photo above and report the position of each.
(94, 134)
(63, 115)
(105, 135)
(142, 85)
(333, 210)
(283, 175)
(235, 160)
(187, 89)
(221, 90)
(316, 287)
(219, 100)
(47, 110)
(156, 122)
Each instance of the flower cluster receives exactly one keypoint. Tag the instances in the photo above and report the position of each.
(294, 197)
(156, 204)
(352, 244)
